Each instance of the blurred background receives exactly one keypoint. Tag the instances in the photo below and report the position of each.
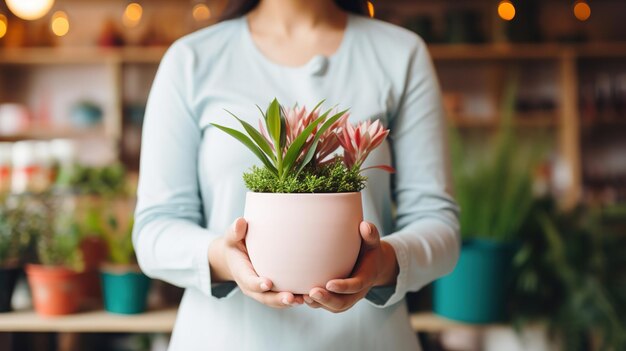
(535, 94)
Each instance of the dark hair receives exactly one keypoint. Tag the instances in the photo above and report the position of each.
(238, 8)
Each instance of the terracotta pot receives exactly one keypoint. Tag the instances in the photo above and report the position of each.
(56, 290)
(301, 241)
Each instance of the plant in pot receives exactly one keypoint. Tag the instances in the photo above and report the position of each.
(570, 275)
(55, 280)
(304, 207)
(17, 228)
(95, 189)
(125, 287)
(495, 193)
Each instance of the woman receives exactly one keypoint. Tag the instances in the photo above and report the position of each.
(191, 190)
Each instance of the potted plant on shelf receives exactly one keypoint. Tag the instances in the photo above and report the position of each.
(95, 189)
(495, 192)
(55, 279)
(125, 287)
(16, 230)
(570, 275)
(304, 202)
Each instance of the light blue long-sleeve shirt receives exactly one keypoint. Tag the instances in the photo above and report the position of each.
(191, 187)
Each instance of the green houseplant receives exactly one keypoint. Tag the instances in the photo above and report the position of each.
(125, 287)
(55, 278)
(300, 174)
(494, 192)
(17, 229)
(95, 190)
(570, 273)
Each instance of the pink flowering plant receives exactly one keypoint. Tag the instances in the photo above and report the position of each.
(298, 149)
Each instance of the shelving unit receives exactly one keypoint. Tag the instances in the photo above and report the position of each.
(564, 121)
(158, 321)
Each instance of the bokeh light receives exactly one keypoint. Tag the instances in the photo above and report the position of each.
(506, 10)
(60, 24)
(4, 25)
(201, 12)
(582, 10)
(30, 9)
(370, 9)
(132, 15)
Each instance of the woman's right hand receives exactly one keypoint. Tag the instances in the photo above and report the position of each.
(229, 261)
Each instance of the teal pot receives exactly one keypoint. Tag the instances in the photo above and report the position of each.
(125, 289)
(476, 292)
(8, 278)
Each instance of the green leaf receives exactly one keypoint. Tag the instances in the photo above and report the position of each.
(249, 144)
(325, 126)
(262, 113)
(256, 136)
(296, 146)
(273, 123)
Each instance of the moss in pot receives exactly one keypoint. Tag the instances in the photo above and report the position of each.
(304, 207)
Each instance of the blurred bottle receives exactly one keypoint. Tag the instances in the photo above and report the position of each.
(27, 176)
(5, 167)
(45, 177)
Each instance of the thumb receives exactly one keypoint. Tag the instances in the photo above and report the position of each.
(237, 231)
(369, 233)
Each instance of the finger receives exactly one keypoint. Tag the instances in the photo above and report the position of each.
(350, 285)
(246, 277)
(237, 231)
(309, 301)
(275, 299)
(330, 301)
(369, 233)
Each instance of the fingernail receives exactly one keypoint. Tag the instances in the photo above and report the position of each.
(285, 301)
(317, 295)
(264, 287)
(307, 299)
(331, 287)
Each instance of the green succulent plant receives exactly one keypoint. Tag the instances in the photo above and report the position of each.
(18, 227)
(58, 243)
(119, 242)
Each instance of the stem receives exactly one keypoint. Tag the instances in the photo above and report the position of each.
(279, 163)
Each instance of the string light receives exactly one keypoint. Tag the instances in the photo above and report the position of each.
(4, 25)
(506, 10)
(582, 10)
(201, 12)
(132, 15)
(30, 9)
(370, 9)
(60, 24)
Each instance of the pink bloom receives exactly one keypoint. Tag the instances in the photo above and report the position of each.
(358, 141)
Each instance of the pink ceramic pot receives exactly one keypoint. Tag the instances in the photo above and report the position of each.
(301, 241)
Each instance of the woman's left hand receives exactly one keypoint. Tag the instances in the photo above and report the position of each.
(376, 266)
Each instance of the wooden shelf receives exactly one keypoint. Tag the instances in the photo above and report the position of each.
(542, 120)
(153, 55)
(46, 133)
(81, 55)
(159, 321)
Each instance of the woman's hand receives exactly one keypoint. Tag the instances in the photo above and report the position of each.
(229, 261)
(376, 265)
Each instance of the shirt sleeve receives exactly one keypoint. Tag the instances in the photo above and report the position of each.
(170, 241)
(426, 237)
